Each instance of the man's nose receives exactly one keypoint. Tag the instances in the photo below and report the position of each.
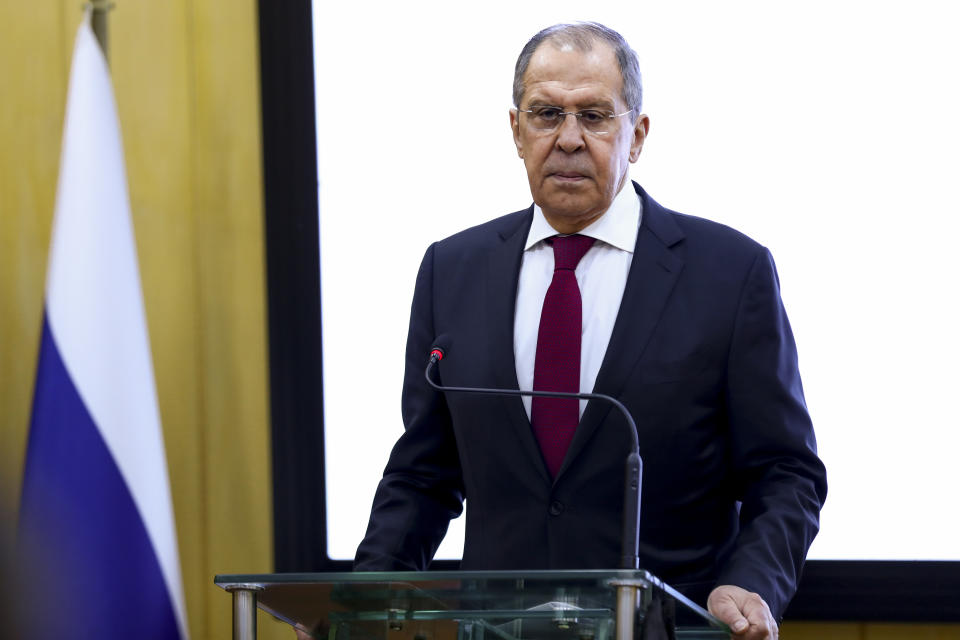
(569, 134)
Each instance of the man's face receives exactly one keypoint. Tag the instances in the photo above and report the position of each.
(574, 175)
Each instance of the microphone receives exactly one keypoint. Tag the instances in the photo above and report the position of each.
(630, 538)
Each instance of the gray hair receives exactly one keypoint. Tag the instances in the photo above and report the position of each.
(582, 35)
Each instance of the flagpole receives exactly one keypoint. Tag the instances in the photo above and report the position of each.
(98, 21)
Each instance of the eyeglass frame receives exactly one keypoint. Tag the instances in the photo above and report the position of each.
(562, 117)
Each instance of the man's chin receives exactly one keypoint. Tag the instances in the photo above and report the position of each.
(573, 200)
(568, 193)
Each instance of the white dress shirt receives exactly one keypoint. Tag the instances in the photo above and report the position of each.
(601, 276)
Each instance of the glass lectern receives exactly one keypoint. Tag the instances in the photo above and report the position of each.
(470, 605)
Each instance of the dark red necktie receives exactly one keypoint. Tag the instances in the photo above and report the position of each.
(557, 367)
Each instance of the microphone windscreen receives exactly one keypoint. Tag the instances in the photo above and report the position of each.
(439, 348)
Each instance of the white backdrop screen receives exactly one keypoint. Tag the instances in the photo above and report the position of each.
(829, 131)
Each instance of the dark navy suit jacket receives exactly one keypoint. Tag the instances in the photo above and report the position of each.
(703, 357)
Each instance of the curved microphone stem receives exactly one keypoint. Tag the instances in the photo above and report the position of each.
(629, 556)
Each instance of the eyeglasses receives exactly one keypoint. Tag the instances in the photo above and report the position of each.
(545, 119)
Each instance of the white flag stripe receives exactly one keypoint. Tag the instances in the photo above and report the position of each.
(95, 306)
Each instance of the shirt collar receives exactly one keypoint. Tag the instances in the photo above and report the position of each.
(617, 226)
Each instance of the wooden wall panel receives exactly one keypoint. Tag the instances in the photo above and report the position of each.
(187, 91)
(822, 631)
(911, 632)
(229, 224)
(34, 58)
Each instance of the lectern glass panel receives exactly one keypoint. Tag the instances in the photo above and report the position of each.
(470, 605)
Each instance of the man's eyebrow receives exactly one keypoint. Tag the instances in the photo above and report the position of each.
(543, 102)
(602, 105)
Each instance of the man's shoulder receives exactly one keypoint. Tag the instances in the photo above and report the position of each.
(705, 229)
(672, 226)
(701, 235)
(491, 232)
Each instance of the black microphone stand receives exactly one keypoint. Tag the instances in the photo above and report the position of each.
(627, 590)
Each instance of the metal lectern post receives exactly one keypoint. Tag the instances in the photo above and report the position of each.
(628, 601)
(244, 610)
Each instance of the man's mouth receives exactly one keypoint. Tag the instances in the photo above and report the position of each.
(567, 176)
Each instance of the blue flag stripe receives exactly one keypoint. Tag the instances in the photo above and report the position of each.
(94, 567)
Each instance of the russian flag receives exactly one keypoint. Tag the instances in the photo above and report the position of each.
(96, 516)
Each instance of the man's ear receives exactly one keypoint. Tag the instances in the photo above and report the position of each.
(515, 128)
(640, 131)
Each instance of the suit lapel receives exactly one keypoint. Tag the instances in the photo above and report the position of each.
(653, 274)
(503, 273)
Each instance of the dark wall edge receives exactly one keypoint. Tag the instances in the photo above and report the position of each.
(878, 591)
(829, 590)
(291, 230)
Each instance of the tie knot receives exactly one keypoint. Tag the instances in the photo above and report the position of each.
(568, 250)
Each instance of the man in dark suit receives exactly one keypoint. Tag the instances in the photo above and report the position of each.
(677, 317)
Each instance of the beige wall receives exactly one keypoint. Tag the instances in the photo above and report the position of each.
(186, 81)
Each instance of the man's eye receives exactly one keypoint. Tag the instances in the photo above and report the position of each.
(547, 113)
(591, 116)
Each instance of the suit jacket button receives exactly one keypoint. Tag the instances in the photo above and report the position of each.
(556, 508)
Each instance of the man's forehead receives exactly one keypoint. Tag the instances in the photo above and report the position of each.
(563, 70)
(590, 50)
